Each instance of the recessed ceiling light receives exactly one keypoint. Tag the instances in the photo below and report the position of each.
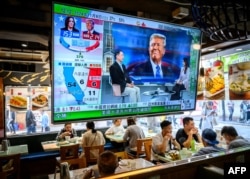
(238, 49)
(24, 45)
(211, 49)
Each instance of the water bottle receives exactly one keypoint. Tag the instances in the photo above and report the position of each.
(193, 148)
(64, 171)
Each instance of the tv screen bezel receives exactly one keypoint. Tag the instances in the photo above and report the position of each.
(122, 115)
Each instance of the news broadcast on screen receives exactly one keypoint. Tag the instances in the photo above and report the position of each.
(160, 60)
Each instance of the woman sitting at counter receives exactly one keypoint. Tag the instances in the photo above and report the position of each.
(92, 137)
(210, 143)
(116, 129)
(133, 132)
(66, 131)
(164, 141)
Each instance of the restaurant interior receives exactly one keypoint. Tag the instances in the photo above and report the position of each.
(27, 68)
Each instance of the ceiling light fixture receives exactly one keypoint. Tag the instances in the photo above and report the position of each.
(24, 45)
(211, 49)
(222, 20)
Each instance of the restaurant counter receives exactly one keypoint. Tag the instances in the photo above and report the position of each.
(194, 168)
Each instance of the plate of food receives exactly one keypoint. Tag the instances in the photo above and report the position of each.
(18, 102)
(62, 143)
(40, 100)
(239, 88)
(125, 162)
(209, 94)
(173, 155)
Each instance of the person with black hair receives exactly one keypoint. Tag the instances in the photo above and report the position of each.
(164, 141)
(92, 137)
(184, 74)
(182, 83)
(30, 121)
(210, 143)
(133, 132)
(119, 76)
(67, 130)
(185, 135)
(69, 29)
(233, 140)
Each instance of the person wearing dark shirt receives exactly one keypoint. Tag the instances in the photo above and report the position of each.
(232, 138)
(69, 29)
(90, 33)
(66, 131)
(30, 121)
(119, 76)
(154, 67)
(210, 143)
(185, 135)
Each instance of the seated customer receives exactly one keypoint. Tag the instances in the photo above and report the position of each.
(92, 137)
(164, 141)
(232, 139)
(133, 132)
(209, 141)
(116, 129)
(66, 131)
(107, 164)
(185, 135)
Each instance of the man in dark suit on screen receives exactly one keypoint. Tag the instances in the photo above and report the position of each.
(119, 75)
(90, 33)
(154, 67)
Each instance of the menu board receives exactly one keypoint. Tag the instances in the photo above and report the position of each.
(19, 98)
(239, 81)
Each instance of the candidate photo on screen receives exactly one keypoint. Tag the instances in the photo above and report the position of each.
(154, 66)
(90, 32)
(69, 29)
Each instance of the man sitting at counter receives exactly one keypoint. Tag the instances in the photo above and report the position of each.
(184, 136)
(232, 139)
(164, 141)
(66, 131)
(210, 143)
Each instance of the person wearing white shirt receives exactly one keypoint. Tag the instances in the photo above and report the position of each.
(116, 129)
(163, 141)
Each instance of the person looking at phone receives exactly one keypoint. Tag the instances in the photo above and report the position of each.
(66, 131)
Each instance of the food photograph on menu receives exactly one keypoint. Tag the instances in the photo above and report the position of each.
(239, 81)
(214, 81)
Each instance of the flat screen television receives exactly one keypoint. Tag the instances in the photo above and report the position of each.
(81, 60)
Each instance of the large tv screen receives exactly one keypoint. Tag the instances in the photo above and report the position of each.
(94, 52)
